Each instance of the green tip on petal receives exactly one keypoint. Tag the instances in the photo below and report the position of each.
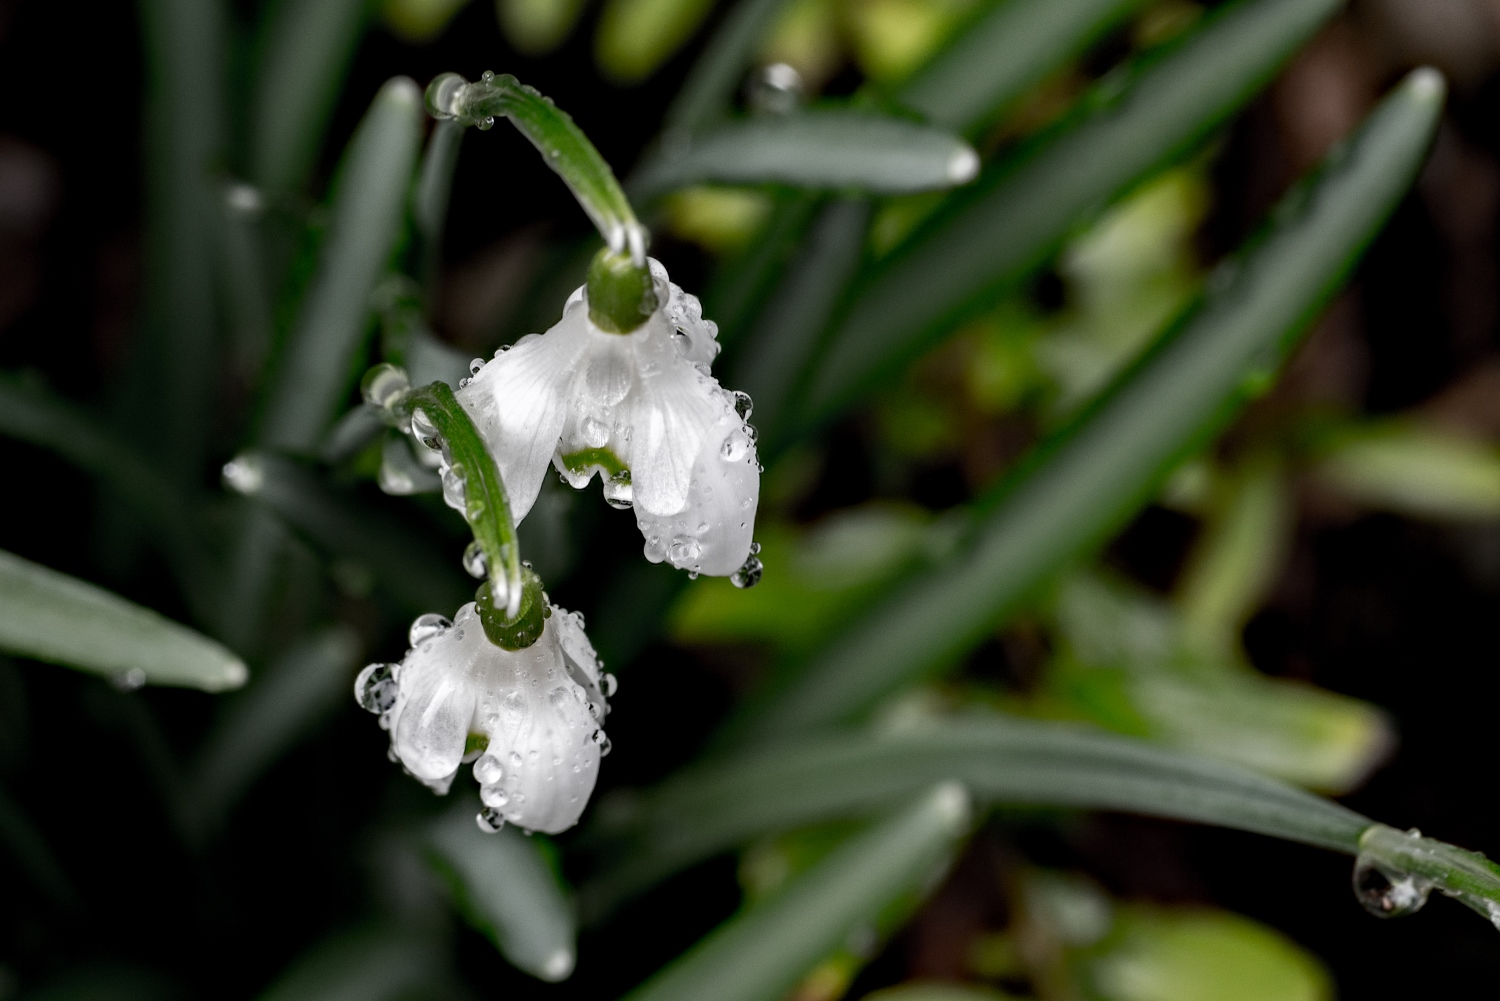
(523, 630)
(620, 292)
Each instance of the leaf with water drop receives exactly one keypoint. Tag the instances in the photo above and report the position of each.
(62, 620)
(506, 888)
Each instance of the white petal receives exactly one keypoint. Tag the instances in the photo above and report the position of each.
(581, 659)
(673, 414)
(430, 721)
(519, 403)
(713, 532)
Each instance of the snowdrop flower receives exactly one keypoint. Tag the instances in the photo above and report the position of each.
(642, 411)
(528, 719)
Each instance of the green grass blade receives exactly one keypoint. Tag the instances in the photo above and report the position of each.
(507, 890)
(305, 48)
(830, 148)
(709, 88)
(1085, 481)
(1011, 48)
(29, 413)
(406, 565)
(26, 845)
(62, 620)
(369, 206)
(762, 953)
(1007, 224)
(785, 334)
(185, 144)
(283, 705)
(434, 188)
(1002, 761)
(371, 964)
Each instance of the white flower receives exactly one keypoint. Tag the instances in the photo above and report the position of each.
(641, 410)
(528, 719)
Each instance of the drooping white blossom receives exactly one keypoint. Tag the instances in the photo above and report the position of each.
(528, 720)
(642, 411)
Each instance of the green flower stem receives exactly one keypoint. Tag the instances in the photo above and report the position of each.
(1466, 876)
(486, 506)
(561, 142)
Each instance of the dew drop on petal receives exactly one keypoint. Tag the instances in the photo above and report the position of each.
(682, 342)
(595, 433)
(618, 492)
(475, 365)
(490, 820)
(749, 573)
(425, 627)
(375, 688)
(736, 446)
(743, 405)
(604, 743)
(685, 549)
(494, 796)
(610, 684)
(488, 770)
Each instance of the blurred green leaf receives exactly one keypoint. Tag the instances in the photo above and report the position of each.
(635, 37)
(1161, 955)
(507, 889)
(709, 89)
(420, 21)
(713, 807)
(760, 954)
(185, 130)
(741, 284)
(1085, 481)
(787, 330)
(369, 205)
(370, 964)
(430, 202)
(30, 413)
(936, 991)
(29, 848)
(408, 566)
(62, 620)
(1424, 472)
(305, 48)
(536, 27)
(281, 706)
(1009, 49)
(993, 234)
(820, 148)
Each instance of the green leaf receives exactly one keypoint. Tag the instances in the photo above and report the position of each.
(370, 964)
(406, 564)
(434, 188)
(1081, 484)
(506, 888)
(185, 129)
(762, 953)
(636, 36)
(28, 847)
(369, 206)
(62, 620)
(305, 48)
(29, 413)
(709, 88)
(1424, 472)
(994, 234)
(787, 329)
(740, 286)
(280, 708)
(826, 148)
(1004, 761)
(1008, 50)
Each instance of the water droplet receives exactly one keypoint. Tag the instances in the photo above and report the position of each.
(476, 562)
(693, 575)
(475, 365)
(244, 474)
(604, 743)
(425, 627)
(654, 549)
(494, 796)
(685, 549)
(774, 90)
(453, 487)
(595, 433)
(515, 759)
(490, 820)
(464, 382)
(618, 492)
(487, 76)
(485, 124)
(609, 683)
(736, 446)
(130, 680)
(1386, 894)
(375, 689)
(755, 549)
(488, 770)
(749, 574)
(743, 405)
(682, 342)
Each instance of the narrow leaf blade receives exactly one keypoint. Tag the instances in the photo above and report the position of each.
(1076, 488)
(761, 954)
(63, 620)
